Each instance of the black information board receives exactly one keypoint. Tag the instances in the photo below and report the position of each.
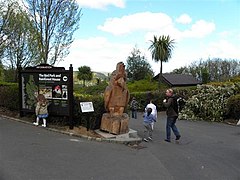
(55, 83)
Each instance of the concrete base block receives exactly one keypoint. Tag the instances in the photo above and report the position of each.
(115, 124)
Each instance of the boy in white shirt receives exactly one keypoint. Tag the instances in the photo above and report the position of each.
(154, 110)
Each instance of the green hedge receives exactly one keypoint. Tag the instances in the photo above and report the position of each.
(93, 90)
(9, 95)
(10, 99)
(91, 120)
(233, 104)
(143, 86)
(209, 103)
(157, 96)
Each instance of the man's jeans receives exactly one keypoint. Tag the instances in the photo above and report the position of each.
(134, 114)
(171, 124)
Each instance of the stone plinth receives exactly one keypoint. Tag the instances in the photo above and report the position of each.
(115, 124)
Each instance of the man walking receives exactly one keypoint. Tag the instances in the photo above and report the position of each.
(134, 106)
(172, 114)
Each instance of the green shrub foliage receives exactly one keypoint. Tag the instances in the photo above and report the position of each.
(143, 98)
(211, 102)
(233, 104)
(9, 97)
(208, 103)
(90, 120)
(142, 86)
(93, 90)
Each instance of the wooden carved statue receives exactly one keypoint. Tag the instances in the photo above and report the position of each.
(116, 95)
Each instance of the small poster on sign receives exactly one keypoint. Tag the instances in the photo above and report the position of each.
(86, 106)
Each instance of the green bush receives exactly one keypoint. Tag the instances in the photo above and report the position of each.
(90, 120)
(10, 99)
(157, 96)
(143, 86)
(9, 95)
(235, 79)
(143, 99)
(233, 104)
(208, 103)
(93, 90)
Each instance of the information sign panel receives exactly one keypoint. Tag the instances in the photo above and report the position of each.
(55, 83)
(86, 107)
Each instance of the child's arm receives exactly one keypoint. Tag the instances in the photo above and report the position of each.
(37, 108)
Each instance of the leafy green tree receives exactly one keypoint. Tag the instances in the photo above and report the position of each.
(1, 71)
(85, 74)
(137, 67)
(17, 45)
(22, 48)
(9, 74)
(6, 11)
(161, 50)
(181, 70)
(215, 69)
(205, 75)
(55, 21)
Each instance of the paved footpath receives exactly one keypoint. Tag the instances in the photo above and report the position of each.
(206, 151)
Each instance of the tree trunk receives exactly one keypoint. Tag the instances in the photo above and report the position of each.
(84, 83)
(160, 75)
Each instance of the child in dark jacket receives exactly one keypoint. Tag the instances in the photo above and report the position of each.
(148, 119)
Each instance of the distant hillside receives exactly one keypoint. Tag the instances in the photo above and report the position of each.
(100, 75)
(103, 76)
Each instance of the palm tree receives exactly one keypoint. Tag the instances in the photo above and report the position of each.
(161, 50)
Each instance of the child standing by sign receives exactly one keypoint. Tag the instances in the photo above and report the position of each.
(41, 110)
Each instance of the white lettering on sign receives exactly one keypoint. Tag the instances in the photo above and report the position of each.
(50, 77)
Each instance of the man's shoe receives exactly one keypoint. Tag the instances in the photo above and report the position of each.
(178, 137)
(167, 140)
(43, 125)
(150, 138)
(145, 139)
(36, 124)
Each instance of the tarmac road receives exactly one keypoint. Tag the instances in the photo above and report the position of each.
(206, 151)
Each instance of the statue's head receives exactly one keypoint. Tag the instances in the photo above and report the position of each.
(120, 67)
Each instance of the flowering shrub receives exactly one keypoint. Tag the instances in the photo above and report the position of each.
(208, 103)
